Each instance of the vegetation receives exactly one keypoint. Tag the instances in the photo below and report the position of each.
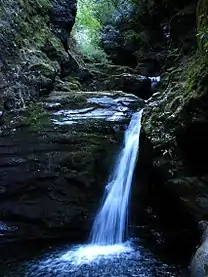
(202, 24)
(91, 15)
(33, 22)
(197, 81)
(36, 118)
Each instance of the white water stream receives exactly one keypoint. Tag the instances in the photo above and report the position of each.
(108, 233)
(110, 223)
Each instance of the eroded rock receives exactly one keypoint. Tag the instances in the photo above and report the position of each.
(53, 169)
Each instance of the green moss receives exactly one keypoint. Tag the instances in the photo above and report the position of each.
(35, 7)
(141, 39)
(197, 75)
(44, 69)
(36, 118)
(33, 22)
(74, 86)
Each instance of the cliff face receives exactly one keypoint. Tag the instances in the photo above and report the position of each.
(176, 124)
(143, 34)
(33, 43)
(170, 38)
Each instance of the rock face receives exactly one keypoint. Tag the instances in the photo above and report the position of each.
(175, 128)
(54, 167)
(124, 78)
(63, 15)
(32, 55)
(175, 122)
(131, 83)
(141, 33)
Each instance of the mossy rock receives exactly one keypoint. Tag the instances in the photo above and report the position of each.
(36, 118)
(44, 69)
(197, 80)
(33, 22)
(74, 86)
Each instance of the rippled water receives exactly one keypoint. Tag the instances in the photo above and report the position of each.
(80, 261)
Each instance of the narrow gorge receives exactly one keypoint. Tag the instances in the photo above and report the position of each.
(103, 138)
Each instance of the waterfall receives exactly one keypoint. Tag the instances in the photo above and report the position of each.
(110, 223)
(109, 228)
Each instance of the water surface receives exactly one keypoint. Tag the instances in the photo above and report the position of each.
(125, 260)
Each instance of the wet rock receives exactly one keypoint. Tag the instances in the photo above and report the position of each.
(52, 106)
(52, 173)
(56, 182)
(106, 106)
(130, 83)
(199, 263)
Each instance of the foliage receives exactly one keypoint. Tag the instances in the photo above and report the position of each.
(197, 80)
(105, 9)
(91, 15)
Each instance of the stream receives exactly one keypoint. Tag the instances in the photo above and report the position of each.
(48, 179)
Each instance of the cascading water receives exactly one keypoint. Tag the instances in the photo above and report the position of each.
(107, 254)
(110, 222)
(108, 231)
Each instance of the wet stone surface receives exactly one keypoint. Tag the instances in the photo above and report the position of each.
(54, 164)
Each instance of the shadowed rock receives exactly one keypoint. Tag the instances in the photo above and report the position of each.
(53, 170)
